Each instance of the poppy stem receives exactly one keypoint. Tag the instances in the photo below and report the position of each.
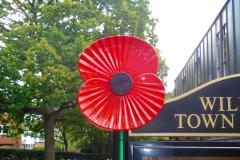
(121, 146)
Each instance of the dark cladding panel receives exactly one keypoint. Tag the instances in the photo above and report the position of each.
(214, 51)
(192, 70)
(202, 63)
(188, 76)
(190, 73)
(205, 59)
(209, 60)
(218, 53)
(210, 54)
(177, 86)
(182, 80)
(218, 46)
(237, 32)
(231, 37)
(200, 66)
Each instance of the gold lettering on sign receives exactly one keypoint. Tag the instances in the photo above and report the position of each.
(207, 120)
(207, 102)
(180, 119)
(211, 120)
(221, 104)
(229, 122)
(229, 102)
(222, 120)
(190, 118)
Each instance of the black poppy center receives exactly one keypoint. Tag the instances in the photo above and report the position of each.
(121, 83)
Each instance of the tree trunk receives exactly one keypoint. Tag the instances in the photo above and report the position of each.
(65, 141)
(49, 151)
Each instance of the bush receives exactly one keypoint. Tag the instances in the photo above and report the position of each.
(21, 154)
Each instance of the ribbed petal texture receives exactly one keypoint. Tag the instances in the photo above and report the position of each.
(109, 55)
(109, 111)
(116, 57)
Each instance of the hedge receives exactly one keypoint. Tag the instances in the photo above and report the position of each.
(21, 154)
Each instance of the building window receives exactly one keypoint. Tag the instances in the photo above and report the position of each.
(222, 45)
(28, 146)
(210, 56)
(225, 51)
(197, 68)
(218, 54)
(184, 80)
(4, 130)
(222, 52)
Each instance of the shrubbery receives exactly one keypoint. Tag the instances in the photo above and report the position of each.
(21, 154)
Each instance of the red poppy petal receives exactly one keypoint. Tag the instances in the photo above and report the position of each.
(99, 105)
(92, 97)
(147, 98)
(108, 55)
(109, 111)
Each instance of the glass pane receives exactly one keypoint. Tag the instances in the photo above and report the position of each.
(224, 16)
(5, 129)
(225, 43)
(1, 129)
(218, 25)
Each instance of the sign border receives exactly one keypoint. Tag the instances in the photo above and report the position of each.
(192, 134)
(182, 149)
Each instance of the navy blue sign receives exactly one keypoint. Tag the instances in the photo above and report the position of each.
(183, 150)
(212, 109)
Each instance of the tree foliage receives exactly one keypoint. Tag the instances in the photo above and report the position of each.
(169, 95)
(40, 41)
(76, 132)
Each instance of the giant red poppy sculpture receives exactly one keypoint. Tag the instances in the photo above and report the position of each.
(121, 90)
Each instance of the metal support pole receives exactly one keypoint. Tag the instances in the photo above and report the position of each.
(114, 150)
(118, 148)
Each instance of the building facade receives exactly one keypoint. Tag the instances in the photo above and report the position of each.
(5, 140)
(29, 142)
(217, 54)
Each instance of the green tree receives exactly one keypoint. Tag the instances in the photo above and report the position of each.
(75, 131)
(40, 41)
(169, 95)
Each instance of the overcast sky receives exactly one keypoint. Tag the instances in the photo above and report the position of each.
(182, 24)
